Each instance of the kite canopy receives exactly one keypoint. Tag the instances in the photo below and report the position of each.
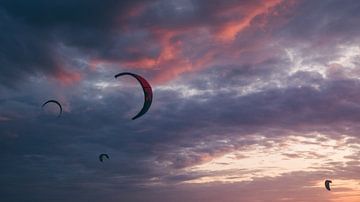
(148, 94)
(327, 184)
(55, 102)
(102, 156)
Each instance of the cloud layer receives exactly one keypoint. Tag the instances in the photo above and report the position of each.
(268, 84)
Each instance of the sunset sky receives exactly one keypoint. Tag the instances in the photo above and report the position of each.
(254, 100)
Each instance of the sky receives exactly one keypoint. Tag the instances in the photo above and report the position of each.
(254, 100)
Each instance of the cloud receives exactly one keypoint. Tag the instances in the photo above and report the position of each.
(236, 81)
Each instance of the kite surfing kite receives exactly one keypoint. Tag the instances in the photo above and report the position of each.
(102, 156)
(55, 102)
(327, 184)
(148, 95)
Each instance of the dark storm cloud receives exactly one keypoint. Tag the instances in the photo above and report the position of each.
(320, 33)
(324, 21)
(109, 31)
(190, 13)
(171, 125)
(139, 149)
(32, 32)
(81, 13)
(24, 50)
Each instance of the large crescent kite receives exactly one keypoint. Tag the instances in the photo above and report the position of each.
(327, 184)
(148, 95)
(57, 103)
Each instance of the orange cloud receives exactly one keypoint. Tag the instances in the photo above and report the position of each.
(146, 63)
(228, 31)
(174, 60)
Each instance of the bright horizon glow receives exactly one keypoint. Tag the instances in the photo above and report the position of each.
(295, 153)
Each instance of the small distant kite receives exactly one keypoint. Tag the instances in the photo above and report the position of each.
(102, 156)
(327, 184)
(148, 94)
(55, 102)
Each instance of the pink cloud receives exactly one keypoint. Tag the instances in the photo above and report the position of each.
(174, 57)
(228, 31)
(4, 118)
(66, 77)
